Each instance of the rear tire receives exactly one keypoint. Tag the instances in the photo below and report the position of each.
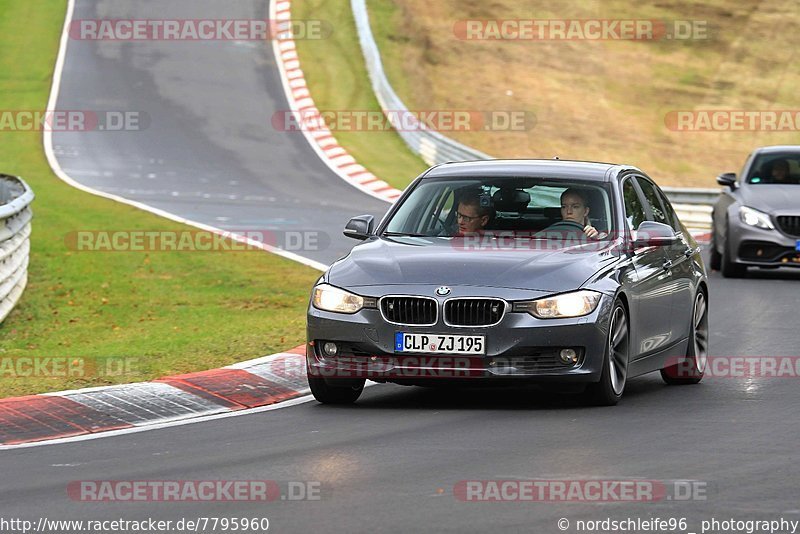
(693, 367)
(728, 267)
(609, 390)
(328, 394)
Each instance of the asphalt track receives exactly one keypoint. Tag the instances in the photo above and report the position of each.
(390, 462)
(206, 149)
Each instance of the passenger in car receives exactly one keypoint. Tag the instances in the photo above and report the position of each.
(780, 171)
(471, 216)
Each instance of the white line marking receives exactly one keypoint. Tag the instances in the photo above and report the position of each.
(168, 424)
(56, 167)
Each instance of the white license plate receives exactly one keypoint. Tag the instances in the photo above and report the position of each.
(439, 343)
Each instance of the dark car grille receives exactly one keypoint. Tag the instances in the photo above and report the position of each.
(409, 310)
(790, 224)
(763, 251)
(543, 362)
(473, 312)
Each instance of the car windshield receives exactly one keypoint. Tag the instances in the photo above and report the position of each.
(531, 207)
(775, 168)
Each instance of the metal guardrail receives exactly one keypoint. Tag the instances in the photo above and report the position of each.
(693, 205)
(691, 195)
(15, 231)
(431, 146)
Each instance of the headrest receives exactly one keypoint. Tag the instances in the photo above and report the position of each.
(552, 213)
(510, 200)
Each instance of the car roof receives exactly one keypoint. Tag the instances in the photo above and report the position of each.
(777, 148)
(549, 168)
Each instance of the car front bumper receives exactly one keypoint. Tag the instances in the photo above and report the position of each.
(520, 347)
(766, 248)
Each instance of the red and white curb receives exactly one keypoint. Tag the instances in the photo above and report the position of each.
(299, 98)
(320, 137)
(257, 383)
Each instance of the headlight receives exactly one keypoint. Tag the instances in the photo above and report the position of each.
(755, 218)
(333, 299)
(572, 304)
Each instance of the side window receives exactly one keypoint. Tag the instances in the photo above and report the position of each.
(441, 212)
(661, 212)
(634, 210)
(447, 207)
(669, 211)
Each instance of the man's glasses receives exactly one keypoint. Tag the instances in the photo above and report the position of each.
(466, 218)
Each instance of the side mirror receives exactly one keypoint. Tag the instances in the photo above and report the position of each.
(655, 234)
(359, 227)
(727, 179)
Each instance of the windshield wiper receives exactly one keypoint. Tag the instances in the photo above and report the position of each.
(404, 234)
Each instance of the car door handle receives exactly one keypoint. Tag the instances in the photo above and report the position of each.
(667, 265)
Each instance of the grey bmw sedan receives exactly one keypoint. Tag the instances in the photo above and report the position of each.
(509, 271)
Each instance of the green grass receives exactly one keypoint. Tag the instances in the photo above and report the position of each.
(603, 101)
(337, 78)
(384, 19)
(166, 312)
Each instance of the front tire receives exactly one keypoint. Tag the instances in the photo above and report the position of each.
(729, 268)
(693, 367)
(609, 390)
(328, 394)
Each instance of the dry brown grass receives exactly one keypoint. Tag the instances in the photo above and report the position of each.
(602, 100)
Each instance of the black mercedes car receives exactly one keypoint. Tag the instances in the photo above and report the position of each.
(513, 270)
(756, 221)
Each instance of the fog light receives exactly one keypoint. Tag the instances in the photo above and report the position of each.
(330, 349)
(568, 356)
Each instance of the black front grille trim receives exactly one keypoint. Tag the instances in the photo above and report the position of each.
(543, 362)
(409, 310)
(789, 224)
(763, 251)
(471, 311)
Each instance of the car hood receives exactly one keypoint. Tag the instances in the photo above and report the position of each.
(442, 261)
(771, 197)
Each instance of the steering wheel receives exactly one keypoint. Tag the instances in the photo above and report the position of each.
(438, 227)
(565, 225)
